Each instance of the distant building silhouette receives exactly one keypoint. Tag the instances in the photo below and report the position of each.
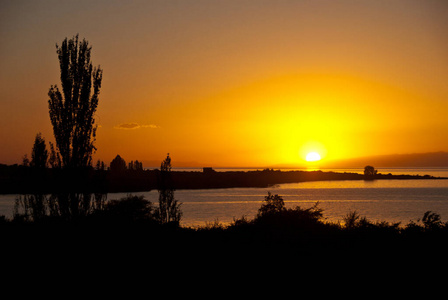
(208, 170)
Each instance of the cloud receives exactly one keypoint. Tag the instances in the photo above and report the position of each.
(127, 126)
(131, 126)
(152, 126)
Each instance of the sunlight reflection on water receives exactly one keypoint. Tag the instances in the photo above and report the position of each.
(382, 200)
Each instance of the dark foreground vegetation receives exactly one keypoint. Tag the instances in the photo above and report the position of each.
(128, 229)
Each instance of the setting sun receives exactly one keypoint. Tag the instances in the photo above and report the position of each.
(312, 156)
(281, 80)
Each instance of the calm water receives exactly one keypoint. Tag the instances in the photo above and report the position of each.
(384, 200)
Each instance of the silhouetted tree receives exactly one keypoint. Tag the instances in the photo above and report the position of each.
(272, 204)
(25, 161)
(118, 164)
(370, 171)
(55, 158)
(135, 165)
(33, 206)
(129, 209)
(65, 206)
(39, 154)
(169, 208)
(72, 111)
(100, 165)
(274, 214)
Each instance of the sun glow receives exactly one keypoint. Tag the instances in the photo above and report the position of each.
(313, 156)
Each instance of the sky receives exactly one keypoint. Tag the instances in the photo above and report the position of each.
(235, 83)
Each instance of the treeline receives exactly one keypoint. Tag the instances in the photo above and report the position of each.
(42, 158)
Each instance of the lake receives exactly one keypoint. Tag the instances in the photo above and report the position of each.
(382, 200)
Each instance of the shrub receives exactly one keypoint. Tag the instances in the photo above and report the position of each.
(351, 220)
(129, 209)
(431, 221)
(272, 204)
(292, 219)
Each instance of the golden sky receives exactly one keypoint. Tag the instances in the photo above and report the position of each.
(235, 83)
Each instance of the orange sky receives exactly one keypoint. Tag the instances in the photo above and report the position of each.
(236, 83)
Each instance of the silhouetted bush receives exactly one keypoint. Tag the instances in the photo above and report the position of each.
(368, 233)
(296, 218)
(242, 222)
(272, 204)
(130, 209)
(431, 223)
(274, 221)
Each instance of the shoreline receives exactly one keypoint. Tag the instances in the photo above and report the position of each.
(22, 180)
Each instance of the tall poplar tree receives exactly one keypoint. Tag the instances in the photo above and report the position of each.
(169, 208)
(72, 111)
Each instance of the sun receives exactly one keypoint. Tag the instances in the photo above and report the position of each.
(313, 156)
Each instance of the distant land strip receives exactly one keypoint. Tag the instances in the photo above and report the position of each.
(26, 180)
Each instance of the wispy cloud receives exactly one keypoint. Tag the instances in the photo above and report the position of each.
(132, 126)
(152, 126)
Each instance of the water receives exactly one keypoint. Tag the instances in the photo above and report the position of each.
(379, 200)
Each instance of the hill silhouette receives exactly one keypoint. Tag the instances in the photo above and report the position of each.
(413, 160)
